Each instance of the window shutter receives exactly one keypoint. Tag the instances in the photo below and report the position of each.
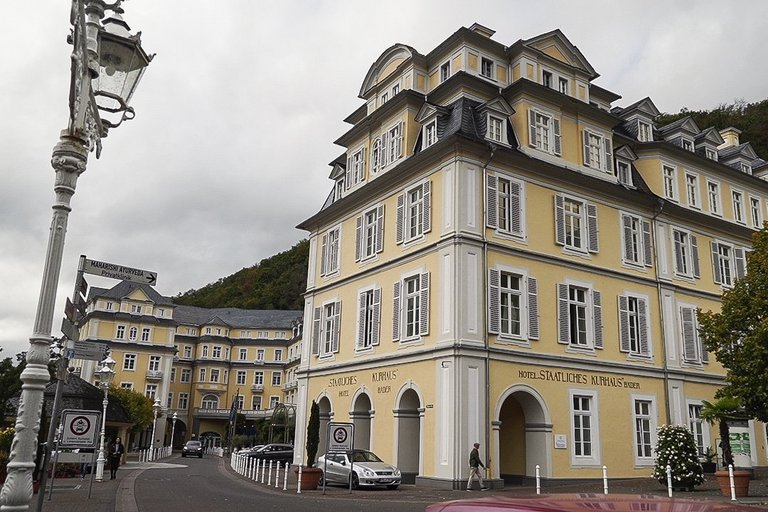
(384, 149)
(741, 262)
(559, 220)
(426, 190)
(494, 301)
(585, 134)
(491, 202)
(348, 174)
(556, 126)
(531, 128)
(533, 308)
(563, 314)
(626, 222)
(689, 334)
(592, 222)
(336, 327)
(424, 317)
(376, 316)
(647, 246)
(400, 218)
(361, 319)
(642, 319)
(362, 165)
(716, 263)
(597, 308)
(358, 238)
(516, 207)
(399, 143)
(380, 228)
(396, 312)
(324, 256)
(704, 353)
(608, 155)
(624, 323)
(316, 330)
(695, 257)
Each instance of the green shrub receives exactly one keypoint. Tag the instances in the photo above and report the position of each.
(677, 448)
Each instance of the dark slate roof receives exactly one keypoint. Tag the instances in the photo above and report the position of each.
(758, 163)
(237, 318)
(675, 125)
(125, 288)
(732, 150)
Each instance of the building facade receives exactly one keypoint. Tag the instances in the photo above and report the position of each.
(196, 361)
(507, 257)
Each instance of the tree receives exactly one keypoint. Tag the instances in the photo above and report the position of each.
(313, 434)
(738, 334)
(10, 383)
(139, 407)
(720, 411)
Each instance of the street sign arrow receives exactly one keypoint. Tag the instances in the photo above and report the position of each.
(121, 272)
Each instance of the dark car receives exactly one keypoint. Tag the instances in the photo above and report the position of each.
(274, 451)
(582, 502)
(194, 448)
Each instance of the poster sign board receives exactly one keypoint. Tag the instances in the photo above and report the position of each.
(340, 437)
(80, 428)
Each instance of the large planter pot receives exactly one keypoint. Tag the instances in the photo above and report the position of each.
(709, 467)
(310, 477)
(740, 482)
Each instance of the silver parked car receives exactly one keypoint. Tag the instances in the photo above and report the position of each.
(369, 470)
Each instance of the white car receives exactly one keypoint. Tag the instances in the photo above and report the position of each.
(369, 470)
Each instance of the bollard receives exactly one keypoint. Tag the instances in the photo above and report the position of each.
(269, 480)
(538, 479)
(285, 478)
(605, 480)
(263, 466)
(277, 475)
(669, 480)
(733, 486)
(256, 475)
(298, 482)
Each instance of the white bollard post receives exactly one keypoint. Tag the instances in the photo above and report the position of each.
(263, 467)
(733, 486)
(669, 480)
(605, 480)
(277, 475)
(285, 479)
(256, 475)
(298, 482)
(269, 480)
(538, 479)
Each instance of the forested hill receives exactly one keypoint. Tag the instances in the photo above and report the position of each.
(750, 118)
(277, 282)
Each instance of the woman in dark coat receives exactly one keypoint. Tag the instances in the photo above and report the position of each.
(116, 451)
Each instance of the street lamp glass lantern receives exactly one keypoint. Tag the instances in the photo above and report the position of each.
(106, 374)
(156, 406)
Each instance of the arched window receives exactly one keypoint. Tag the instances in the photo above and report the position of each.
(376, 155)
(132, 333)
(210, 402)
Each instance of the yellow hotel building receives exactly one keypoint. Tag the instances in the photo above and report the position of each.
(507, 257)
(196, 361)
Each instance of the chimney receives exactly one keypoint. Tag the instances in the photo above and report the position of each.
(483, 31)
(731, 137)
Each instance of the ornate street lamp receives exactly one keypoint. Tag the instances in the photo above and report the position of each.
(155, 409)
(173, 427)
(106, 373)
(94, 55)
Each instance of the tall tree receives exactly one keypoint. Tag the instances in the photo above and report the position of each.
(10, 383)
(139, 407)
(738, 334)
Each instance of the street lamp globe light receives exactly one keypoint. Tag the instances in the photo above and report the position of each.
(173, 427)
(106, 374)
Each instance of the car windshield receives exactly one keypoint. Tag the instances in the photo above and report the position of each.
(364, 456)
(193, 444)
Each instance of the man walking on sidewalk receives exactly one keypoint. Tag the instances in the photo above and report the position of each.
(474, 468)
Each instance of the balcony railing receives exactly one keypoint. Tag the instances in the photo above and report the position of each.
(291, 385)
(154, 374)
(257, 388)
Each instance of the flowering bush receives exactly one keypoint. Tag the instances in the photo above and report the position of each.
(676, 448)
(6, 438)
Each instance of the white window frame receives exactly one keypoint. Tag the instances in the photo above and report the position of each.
(260, 354)
(713, 196)
(650, 420)
(593, 316)
(187, 352)
(258, 378)
(692, 348)
(330, 257)
(635, 240)
(240, 377)
(491, 74)
(686, 144)
(256, 402)
(202, 375)
(505, 205)
(273, 401)
(216, 352)
(129, 362)
(746, 168)
(563, 85)
(544, 131)
(686, 259)
(445, 71)
(597, 152)
(624, 172)
(692, 190)
(635, 326)
(756, 211)
(355, 172)
(277, 378)
(496, 128)
(133, 333)
(593, 459)
(572, 227)
(204, 352)
(737, 201)
(369, 233)
(126, 385)
(326, 328)
(368, 318)
(429, 131)
(150, 391)
(411, 307)
(183, 401)
(644, 131)
(215, 375)
(154, 363)
(669, 181)
(547, 78)
(243, 354)
(528, 306)
(414, 213)
(698, 426)
(186, 376)
(710, 153)
(728, 263)
(278, 353)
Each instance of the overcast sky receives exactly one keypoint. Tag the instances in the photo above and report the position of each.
(237, 114)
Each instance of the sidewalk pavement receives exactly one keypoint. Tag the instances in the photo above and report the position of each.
(71, 494)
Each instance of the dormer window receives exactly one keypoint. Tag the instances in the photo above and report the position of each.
(598, 151)
(546, 79)
(497, 129)
(746, 168)
(710, 153)
(644, 133)
(395, 90)
(430, 133)
(376, 155)
(562, 85)
(445, 72)
(339, 190)
(486, 68)
(624, 172)
(687, 144)
(384, 98)
(355, 169)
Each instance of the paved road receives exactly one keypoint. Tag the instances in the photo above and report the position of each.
(206, 485)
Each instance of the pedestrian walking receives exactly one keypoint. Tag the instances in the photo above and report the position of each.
(116, 451)
(474, 468)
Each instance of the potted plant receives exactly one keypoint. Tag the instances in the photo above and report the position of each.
(676, 448)
(720, 411)
(310, 476)
(710, 461)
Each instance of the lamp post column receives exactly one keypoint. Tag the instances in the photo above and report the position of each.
(102, 458)
(173, 428)
(155, 410)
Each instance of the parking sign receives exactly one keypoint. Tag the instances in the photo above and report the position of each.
(80, 428)
(340, 437)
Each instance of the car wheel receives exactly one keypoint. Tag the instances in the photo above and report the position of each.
(393, 486)
(183, 455)
(200, 456)
(355, 481)
(320, 480)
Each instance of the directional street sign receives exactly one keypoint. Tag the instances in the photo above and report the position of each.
(123, 273)
(81, 428)
(88, 350)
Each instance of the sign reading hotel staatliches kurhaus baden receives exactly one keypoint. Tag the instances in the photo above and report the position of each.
(382, 379)
(581, 378)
